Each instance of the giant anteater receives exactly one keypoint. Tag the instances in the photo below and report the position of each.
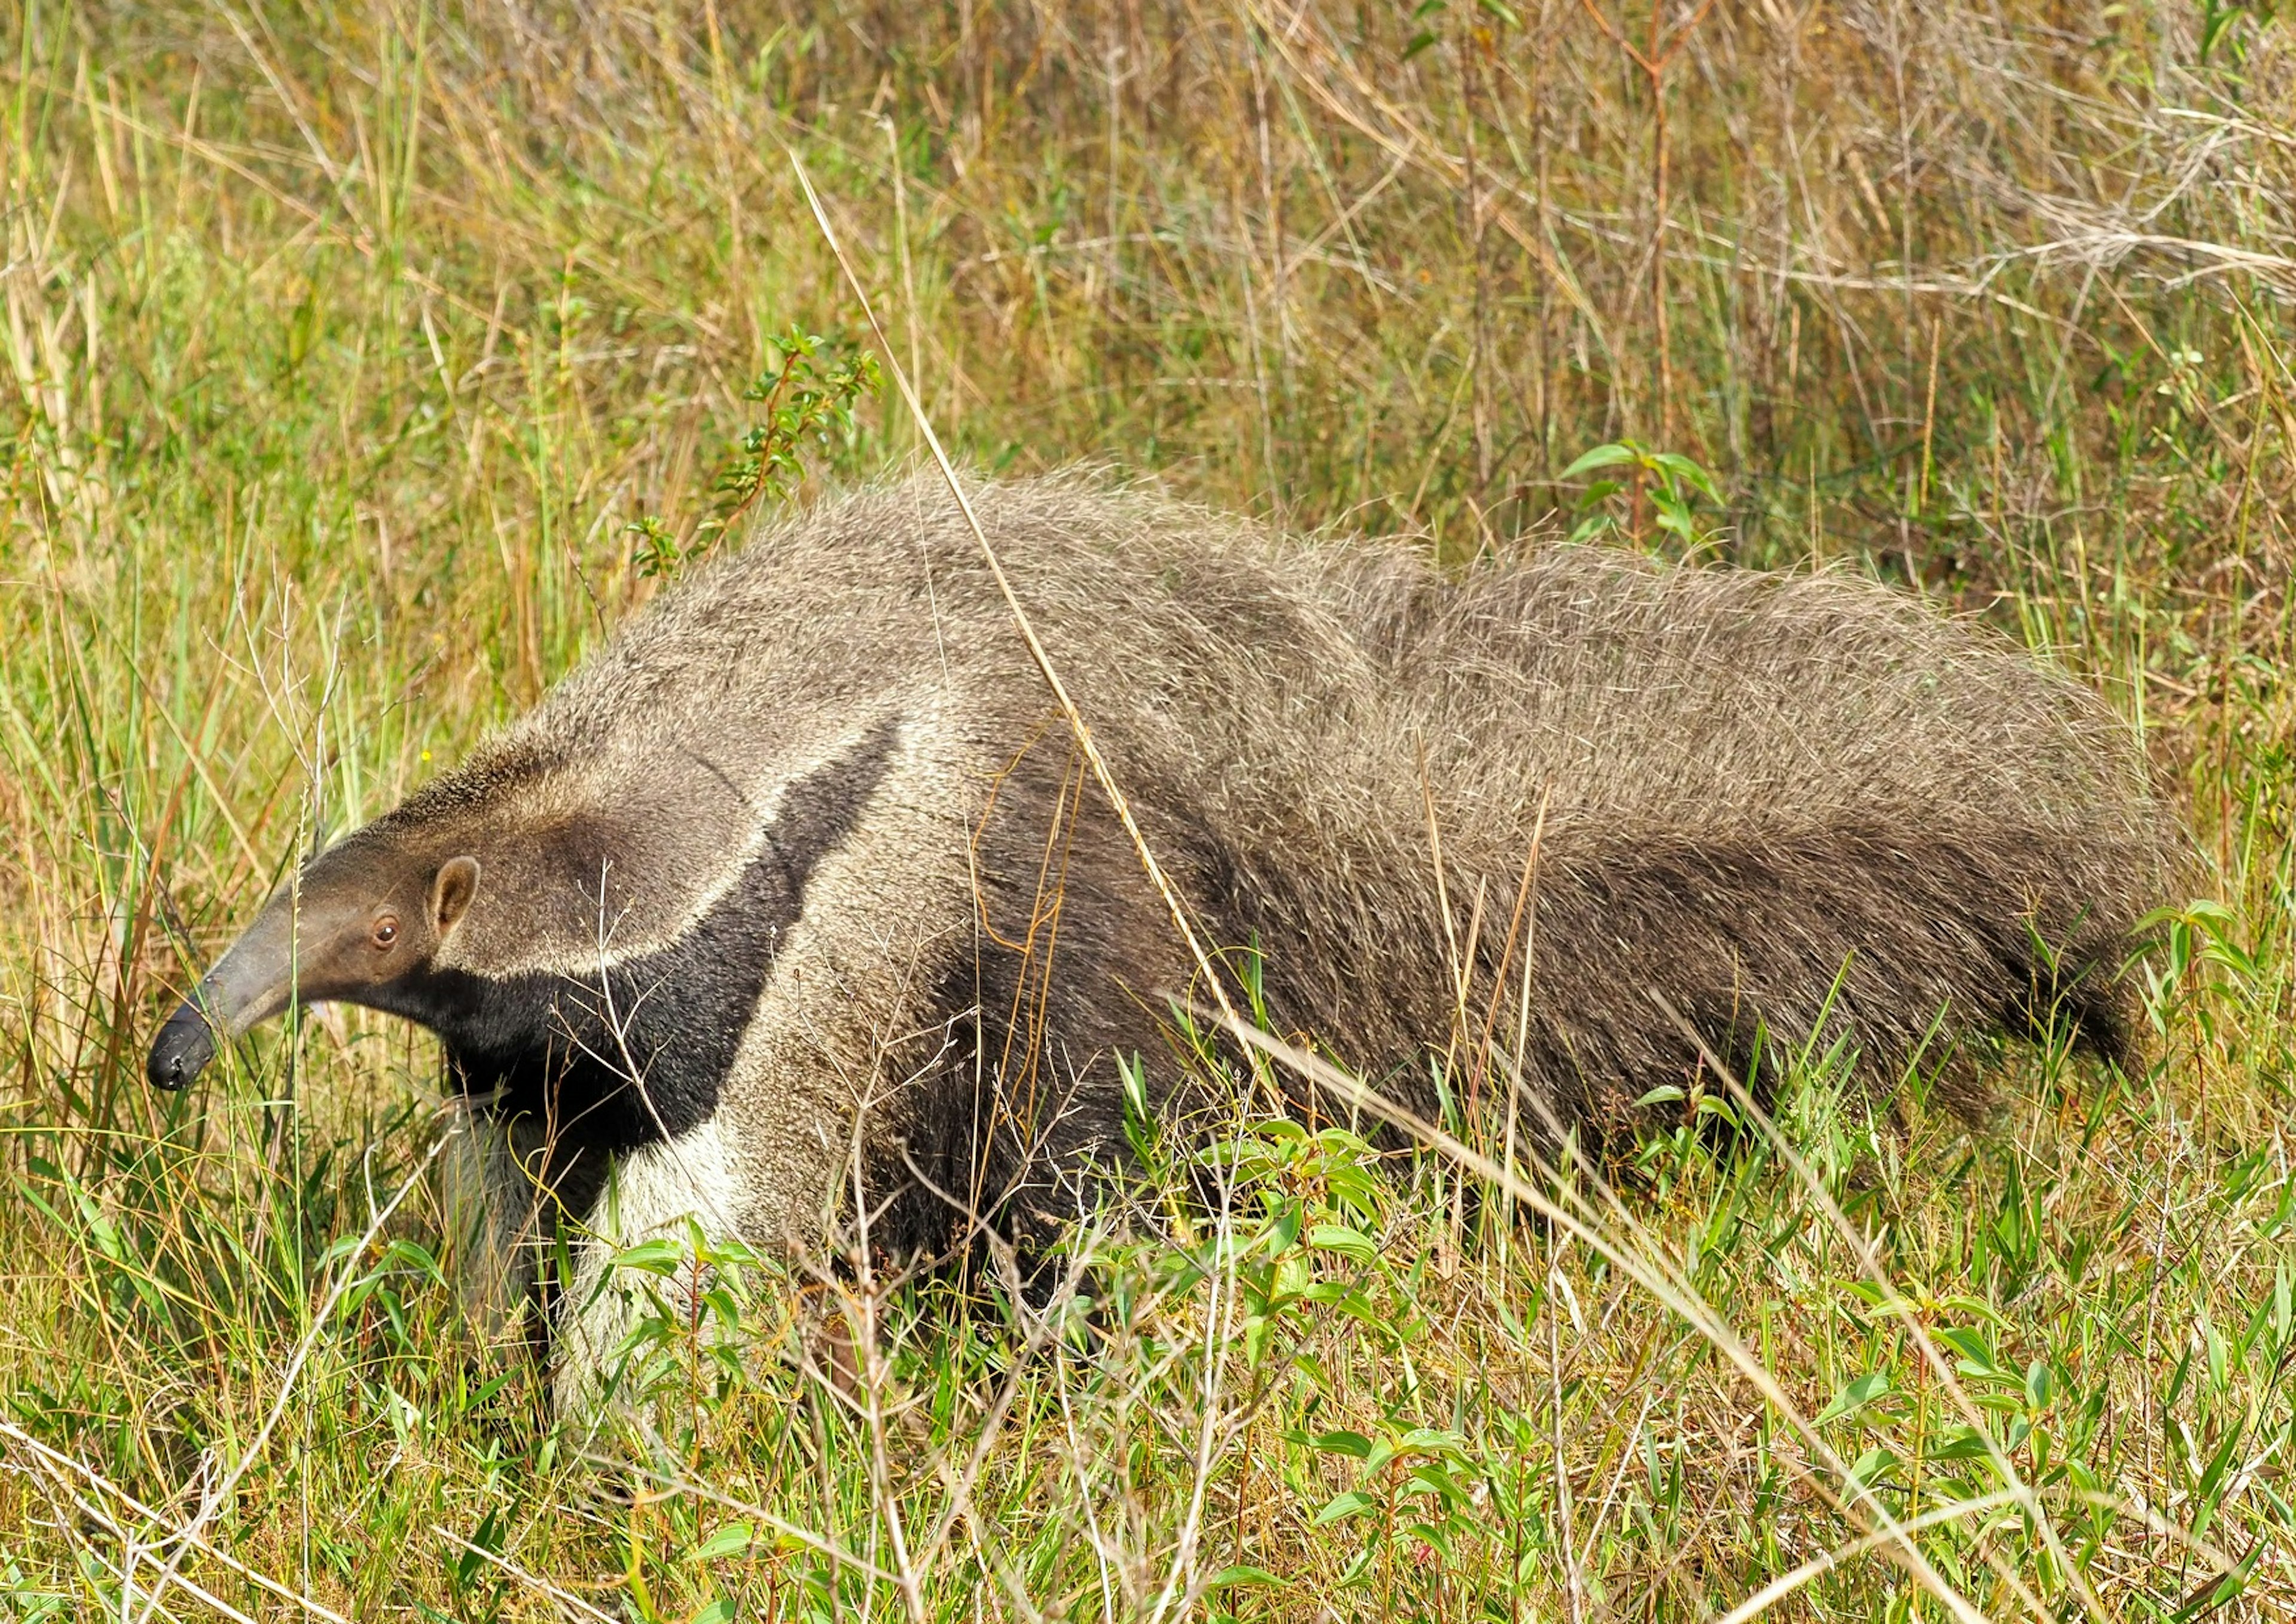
(796, 898)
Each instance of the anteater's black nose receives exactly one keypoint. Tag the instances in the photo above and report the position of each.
(181, 1051)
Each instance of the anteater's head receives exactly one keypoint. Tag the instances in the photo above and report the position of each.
(362, 923)
(566, 937)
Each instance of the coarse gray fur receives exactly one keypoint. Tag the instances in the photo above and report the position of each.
(1764, 802)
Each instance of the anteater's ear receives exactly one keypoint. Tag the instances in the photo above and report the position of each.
(451, 893)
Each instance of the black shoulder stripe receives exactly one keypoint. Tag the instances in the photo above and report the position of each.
(818, 812)
(565, 1049)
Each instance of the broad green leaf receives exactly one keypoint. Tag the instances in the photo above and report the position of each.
(1430, 1479)
(1856, 1395)
(1292, 1275)
(1282, 1229)
(1348, 1243)
(1962, 1303)
(731, 1540)
(1873, 1466)
(1434, 1534)
(1601, 456)
(1340, 1507)
(1427, 1440)
(1962, 1444)
(1689, 472)
(1243, 1573)
(1971, 1347)
(662, 1257)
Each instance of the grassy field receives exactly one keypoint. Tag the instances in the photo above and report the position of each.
(345, 347)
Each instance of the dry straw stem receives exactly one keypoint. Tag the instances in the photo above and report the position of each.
(1036, 653)
(532, 1581)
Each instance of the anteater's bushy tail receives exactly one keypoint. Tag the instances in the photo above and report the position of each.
(1766, 808)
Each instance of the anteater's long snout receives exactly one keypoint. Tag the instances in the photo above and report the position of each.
(251, 983)
(183, 1048)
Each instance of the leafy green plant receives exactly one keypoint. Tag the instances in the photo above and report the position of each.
(1669, 481)
(1319, 1198)
(807, 392)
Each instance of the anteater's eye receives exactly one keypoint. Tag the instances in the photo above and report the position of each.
(386, 930)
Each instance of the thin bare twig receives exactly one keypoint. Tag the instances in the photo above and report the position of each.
(57, 1460)
(187, 1537)
(1037, 651)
